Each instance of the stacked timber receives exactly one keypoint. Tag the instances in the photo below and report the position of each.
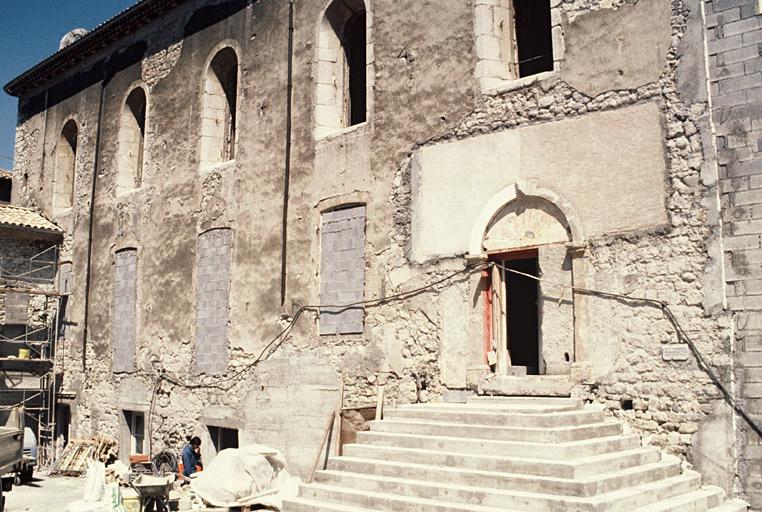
(74, 459)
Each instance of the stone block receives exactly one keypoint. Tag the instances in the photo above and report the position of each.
(493, 69)
(616, 49)
(737, 55)
(724, 5)
(730, 99)
(741, 26)
(488, 47)
(483, 20)
(724, 44)
(727, 16)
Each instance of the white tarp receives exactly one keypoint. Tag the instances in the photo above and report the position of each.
(252, 475)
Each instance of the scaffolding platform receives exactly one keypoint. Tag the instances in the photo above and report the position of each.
(37, 367)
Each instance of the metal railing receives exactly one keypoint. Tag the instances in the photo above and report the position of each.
(39, 268)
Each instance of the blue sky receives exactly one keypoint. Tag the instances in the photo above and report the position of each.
(31, 31)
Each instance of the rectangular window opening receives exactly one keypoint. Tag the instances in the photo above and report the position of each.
(534, 40)
(223, 438)
(355, 48)
(135, 422)
(63, 422)
(5, 190)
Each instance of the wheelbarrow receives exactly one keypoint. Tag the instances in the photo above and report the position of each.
(153, 492)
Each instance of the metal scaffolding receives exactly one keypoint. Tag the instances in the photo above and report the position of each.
(28, 343)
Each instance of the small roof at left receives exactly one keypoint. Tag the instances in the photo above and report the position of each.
(18, 218)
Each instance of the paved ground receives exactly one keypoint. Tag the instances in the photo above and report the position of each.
(44, 494)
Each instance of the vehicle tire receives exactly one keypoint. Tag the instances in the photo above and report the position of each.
(27, 475)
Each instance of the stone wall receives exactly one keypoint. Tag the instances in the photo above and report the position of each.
(427, 95)
(671, 262)
(734, 33)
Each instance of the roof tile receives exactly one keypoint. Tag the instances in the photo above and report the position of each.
(18, 217)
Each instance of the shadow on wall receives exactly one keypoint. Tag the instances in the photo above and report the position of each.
(121, 60)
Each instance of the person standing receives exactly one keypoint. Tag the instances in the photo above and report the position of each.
(192, 456)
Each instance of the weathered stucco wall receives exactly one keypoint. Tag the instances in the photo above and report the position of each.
(573, 157)
(626, 150)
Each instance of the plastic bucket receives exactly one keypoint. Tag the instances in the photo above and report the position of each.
(131, 503)
(24, 353)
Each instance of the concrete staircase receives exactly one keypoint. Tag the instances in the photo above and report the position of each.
(505, 455)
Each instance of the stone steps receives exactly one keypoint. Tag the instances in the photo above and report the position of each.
(496, 406)
(527, 400)
(506, 481)
(624, 500)
(699, 500)
(500, 433)
(732, 506)
(578, 468)
(306, 505)
(559, 451)
(498, 418)
(507, 454)
(318, 495)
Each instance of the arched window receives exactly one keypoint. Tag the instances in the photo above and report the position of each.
(66, 159)
(218, 109)
(132, 127)
(342, 85)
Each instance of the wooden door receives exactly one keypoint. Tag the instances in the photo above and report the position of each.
(500, 321)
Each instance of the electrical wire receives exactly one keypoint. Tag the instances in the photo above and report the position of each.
(406, 295)
(280, 337)
(700, 359)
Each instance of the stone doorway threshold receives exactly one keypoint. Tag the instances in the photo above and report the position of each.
(527, 385)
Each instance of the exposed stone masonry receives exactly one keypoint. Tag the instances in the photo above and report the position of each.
(415, 347)
(636, 264)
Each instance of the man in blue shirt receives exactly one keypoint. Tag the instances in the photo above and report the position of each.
(192, 456)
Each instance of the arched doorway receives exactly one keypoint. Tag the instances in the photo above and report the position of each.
(529, 313)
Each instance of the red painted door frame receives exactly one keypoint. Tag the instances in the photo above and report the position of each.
(518, 254)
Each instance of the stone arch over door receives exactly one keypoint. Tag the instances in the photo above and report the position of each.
(546, 217)
(522, 216)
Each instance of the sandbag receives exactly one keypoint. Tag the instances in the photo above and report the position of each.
(95, 482)
(112, 499)
(85, 506)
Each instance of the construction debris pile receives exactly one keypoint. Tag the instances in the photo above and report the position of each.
(252, 477)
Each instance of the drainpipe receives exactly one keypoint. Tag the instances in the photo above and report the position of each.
(88, 269)
(44, 139)
(287, 167)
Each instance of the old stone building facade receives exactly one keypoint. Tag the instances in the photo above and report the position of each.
(230, 174)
